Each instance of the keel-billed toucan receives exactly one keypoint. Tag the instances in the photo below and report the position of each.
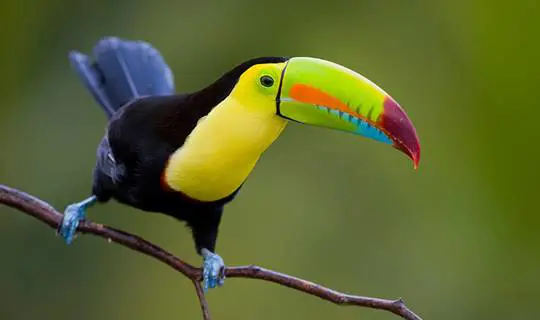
(187, 155)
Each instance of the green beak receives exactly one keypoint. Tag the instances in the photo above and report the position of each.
(322, 93)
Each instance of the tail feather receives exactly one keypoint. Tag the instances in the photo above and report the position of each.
(91, 78)
(123, 71)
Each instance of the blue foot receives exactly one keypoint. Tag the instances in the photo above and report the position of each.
(213, 270)
(73, 214)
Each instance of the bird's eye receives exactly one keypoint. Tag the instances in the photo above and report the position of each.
(267, 81)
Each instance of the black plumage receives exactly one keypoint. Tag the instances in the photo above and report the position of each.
(149, 122)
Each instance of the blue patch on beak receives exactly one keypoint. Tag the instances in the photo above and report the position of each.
(363, 128)
(367, 130)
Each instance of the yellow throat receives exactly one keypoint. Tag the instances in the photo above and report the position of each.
(221, 151)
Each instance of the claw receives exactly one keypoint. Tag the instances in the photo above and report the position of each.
(213, 270)
(73, 214)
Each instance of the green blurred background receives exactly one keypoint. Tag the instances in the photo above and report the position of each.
(457, 239)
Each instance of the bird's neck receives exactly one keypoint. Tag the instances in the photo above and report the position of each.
(222, 150)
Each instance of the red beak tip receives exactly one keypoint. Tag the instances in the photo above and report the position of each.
(415, 157)
(399, 126)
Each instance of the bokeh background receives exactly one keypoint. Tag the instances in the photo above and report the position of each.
(457, 239)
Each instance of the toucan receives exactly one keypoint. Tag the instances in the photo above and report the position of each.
(186, 155)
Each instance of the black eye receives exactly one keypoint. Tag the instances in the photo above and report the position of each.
(267, 81)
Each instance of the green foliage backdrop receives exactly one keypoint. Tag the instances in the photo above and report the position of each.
(458, 239)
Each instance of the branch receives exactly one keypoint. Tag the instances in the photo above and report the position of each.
(47, 214)
(202, 299)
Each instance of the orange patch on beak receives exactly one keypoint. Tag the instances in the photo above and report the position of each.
(306, 94)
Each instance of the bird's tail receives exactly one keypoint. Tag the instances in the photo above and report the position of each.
(122, 71)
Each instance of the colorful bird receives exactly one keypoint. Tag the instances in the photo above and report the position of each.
(187, 155)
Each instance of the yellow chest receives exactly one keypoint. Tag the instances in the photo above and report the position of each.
(219, 154)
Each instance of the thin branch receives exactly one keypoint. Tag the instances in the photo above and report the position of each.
(47, 214)
(202, 299)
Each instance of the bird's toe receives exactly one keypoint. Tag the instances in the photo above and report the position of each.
(213, 275)
(72, 216)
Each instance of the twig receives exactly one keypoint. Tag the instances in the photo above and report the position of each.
(202, 299)
(47, 214)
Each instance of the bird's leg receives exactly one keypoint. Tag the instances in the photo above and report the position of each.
(73, 214)
(213, 269)
(205, 229)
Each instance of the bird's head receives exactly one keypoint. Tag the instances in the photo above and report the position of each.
(322, 93)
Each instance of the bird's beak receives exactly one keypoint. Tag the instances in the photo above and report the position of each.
(322, 93)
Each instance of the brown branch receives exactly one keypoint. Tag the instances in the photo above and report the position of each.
(202, 299)
(47, 214)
